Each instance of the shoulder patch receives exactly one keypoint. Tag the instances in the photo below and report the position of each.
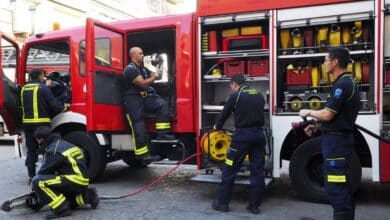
(337, 93)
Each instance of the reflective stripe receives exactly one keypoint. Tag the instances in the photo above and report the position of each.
(57, 202)
(337, 179)
(25, 120)
(80, 200)
(78, 177)
(228, 162)
(35, 102)
(337, 158)
(132, 130)
(142, 150)
(163, 125)
(34, 87)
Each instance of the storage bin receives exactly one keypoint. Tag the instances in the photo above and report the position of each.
(298, 76)
(234, 67)
(258, 67)
(230, 32)
(251, 30)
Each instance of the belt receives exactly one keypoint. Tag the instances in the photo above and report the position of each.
(249, 129)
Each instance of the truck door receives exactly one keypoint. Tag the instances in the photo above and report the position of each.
(104, 65)
(9, 93)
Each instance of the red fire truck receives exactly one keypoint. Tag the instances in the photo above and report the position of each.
(279, 45)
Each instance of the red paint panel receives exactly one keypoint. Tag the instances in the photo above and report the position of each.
(384, 162)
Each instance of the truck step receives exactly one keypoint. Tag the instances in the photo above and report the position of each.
(216, 178)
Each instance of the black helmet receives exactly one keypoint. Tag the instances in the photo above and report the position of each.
(42, 132)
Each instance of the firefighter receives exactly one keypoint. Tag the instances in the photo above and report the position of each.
(38, 107)
(139, 97)
(337, 121)
(62, 181)
(248, 138)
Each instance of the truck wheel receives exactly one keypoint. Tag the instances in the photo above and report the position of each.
(130, 160)
(94, 153)
(307, 167)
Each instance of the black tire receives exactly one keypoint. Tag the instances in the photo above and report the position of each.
(130, 160)
(306, 171)
(94, 153)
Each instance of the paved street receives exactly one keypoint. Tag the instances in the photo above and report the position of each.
(178, 198)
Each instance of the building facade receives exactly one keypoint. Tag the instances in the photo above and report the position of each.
(23, 18)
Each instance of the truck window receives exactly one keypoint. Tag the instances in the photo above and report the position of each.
(53, 58)
(102, 54)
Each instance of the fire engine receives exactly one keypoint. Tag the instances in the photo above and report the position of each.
(278, 45)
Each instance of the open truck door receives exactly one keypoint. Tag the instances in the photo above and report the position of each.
(104, 64)
(9, 92)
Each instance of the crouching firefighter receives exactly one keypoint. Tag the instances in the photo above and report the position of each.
(62, 181)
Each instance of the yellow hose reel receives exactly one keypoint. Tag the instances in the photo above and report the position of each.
(296, 104)
(215, 144)
(314, 102)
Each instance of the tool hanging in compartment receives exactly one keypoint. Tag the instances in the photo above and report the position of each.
(297, 40)
(335, 35)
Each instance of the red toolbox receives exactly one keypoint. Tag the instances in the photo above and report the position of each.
(234, 67)
(257, 67)
(298, 76)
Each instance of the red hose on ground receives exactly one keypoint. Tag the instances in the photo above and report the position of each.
(154, 182)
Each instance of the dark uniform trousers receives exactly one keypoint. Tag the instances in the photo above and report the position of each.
(337, 152)
(244, 141)
(32, 147)
(135, 108)
(59, 192)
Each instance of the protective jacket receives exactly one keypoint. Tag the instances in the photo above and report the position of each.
(38, 104)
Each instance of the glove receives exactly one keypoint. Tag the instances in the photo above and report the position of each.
(304, 113)
(310, 130)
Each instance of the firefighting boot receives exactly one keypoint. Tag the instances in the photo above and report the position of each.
(219, 207)
(62, 211)
(34, 203)
(253, 210)
(91, 197)
(344, 215)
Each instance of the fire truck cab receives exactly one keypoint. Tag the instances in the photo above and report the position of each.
(89, 62)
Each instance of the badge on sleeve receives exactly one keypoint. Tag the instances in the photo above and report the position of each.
(337, 93)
